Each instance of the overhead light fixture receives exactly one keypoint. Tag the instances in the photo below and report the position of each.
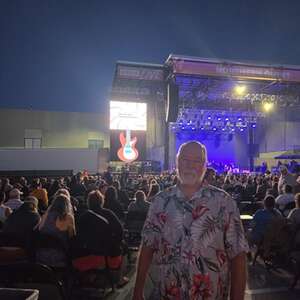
(268, 106)
(240, 90)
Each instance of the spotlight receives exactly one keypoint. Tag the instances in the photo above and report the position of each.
(268, 106)
(214, 129)
(253, 125)
(209, 118)
(240, 90)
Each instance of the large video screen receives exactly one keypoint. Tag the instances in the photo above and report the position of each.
(128, 115)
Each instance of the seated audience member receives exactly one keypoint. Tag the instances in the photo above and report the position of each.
(77, 187)
(140, 204)
(294, 217)
(58, 221)
(6, 186)
(23, 220)
(143, 185)
(40, 193)
(297, 186)
(261, 189)
(24, 187)
(72, 200)
(14, 199)
(287, 197)
(5, 211)
(210, 176)
(101, 233)
(228, 186)
(111, 202)
(262, 218)
(122, 194)
(153, 190)
(55, 186)
(274, 186)
(95, 202)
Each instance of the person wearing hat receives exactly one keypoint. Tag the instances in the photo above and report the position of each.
(14, 199)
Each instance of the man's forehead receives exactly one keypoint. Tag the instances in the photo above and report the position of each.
(192, 150)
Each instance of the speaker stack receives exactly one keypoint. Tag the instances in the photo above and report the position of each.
(172, 102)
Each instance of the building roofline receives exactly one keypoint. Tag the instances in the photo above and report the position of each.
(228, 61)
(140, 64)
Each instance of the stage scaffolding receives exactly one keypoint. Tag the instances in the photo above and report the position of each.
(216, 96)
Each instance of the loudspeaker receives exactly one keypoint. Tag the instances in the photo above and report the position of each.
(172, 102)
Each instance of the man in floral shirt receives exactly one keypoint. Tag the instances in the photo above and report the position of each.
(194, 237)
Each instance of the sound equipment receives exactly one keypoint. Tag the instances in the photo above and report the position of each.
(172, 102)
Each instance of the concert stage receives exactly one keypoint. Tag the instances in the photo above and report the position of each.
(238, 110)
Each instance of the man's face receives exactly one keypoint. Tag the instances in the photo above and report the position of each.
(190, 164)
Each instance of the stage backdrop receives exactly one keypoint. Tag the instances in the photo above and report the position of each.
(115, 143)
(229, 149)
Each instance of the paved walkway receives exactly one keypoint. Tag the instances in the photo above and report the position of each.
(261, 285)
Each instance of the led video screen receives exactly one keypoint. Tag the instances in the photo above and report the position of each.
(128, 115)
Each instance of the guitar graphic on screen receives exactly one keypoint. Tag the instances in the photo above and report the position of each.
(127, 152)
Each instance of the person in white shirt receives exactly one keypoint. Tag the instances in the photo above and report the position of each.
(14, 199)
(285, 178)
(4, 210)
(294, 217)
(285, 198)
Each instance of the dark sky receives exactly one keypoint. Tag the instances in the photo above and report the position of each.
(61, 54)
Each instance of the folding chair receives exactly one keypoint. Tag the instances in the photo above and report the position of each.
(14, 274)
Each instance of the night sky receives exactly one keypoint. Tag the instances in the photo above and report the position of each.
(60, 55)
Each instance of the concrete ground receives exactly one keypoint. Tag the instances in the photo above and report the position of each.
(261, 285)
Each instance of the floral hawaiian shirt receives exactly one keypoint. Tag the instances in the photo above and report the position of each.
(193, 241)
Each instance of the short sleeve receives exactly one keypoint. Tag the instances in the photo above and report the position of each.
(235, 240)
(153, 225)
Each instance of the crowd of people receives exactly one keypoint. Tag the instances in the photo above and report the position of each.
(77, 209)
